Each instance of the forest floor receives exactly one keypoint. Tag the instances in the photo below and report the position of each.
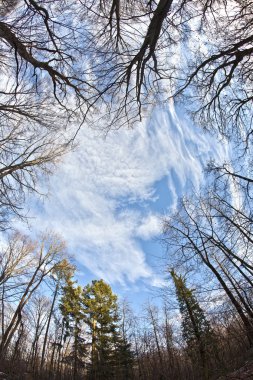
(243, 373)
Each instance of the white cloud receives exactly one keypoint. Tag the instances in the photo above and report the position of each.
(101, 193)
(150, 227)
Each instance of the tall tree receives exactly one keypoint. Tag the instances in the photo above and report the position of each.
(40, 259)
(61, 274)
(73, 317)
(209, 233)
(109, 350)
(196, 330)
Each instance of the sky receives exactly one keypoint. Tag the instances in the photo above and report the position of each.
(108, 197)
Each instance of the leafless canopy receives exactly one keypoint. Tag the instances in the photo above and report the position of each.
(119, 57)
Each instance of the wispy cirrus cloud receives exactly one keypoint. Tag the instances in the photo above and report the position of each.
(104, 195)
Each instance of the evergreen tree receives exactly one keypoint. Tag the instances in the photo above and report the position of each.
(196, 330)
(109, 351)
(124, 358)
(73, 316)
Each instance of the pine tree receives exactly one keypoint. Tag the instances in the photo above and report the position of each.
(73, 316)
(107, 346)
(124, 358)
(196, 330)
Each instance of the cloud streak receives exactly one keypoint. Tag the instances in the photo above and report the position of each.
(104, 195)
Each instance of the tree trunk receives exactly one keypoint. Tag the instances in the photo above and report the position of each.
(48, 325)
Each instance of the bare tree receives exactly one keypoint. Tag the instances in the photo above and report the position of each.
(204, 233)
(41, 261)
(119, 61)
(26, 155)
(39, 310)
(60, 274)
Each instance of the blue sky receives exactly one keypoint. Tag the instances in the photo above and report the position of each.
(107, 197)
